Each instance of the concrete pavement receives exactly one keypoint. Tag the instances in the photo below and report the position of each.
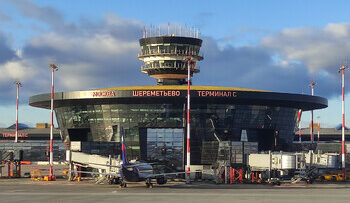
(19, 190)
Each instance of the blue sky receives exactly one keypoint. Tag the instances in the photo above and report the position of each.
(272, 45)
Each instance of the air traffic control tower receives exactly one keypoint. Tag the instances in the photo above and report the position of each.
(165, 57)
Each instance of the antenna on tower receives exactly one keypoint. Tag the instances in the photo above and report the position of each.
(143, 32)
(150, 30)
(168, 29)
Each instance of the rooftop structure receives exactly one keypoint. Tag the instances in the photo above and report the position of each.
(165, 57)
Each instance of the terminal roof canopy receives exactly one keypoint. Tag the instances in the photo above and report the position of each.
(178, 93)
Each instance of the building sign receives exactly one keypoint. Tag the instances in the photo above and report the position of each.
(5, 135)
(177, 93)
(217, 93)
(103, 94)
(166, 93)
(156, 93)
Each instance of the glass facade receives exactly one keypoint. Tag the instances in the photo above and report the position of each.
(272, 127)
(156, 49)
(165, 144)
(36, 150)
(165, 64)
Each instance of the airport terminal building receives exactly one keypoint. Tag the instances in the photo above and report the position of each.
(154, 117)
(33, 141)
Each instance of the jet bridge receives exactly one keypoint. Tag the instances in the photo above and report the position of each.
(95, 161)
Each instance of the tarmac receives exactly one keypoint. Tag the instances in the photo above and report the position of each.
(25, 190)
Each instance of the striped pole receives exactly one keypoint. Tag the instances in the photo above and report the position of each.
(318, 129)
(299, 132)
(312, 84)
(299, 123)
(343, 123)
(18, 84)
(188, 160)
(53, 68)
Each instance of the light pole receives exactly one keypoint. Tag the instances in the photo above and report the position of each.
(312, 84)
(18, 85)
(318, 128)
(342, 70)
(188, 155)
(53, 69)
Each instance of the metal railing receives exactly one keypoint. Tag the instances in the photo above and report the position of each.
(171, 52)
(145, 67)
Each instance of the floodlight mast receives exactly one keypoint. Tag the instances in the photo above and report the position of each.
(18, 85)
(53, 69)
(188, 155)
(342, 70)
(312, 84)
(318, 128)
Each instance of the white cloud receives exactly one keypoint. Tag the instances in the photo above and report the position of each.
(52, 41)
(87, 60)
(94, 46)
(318, 49)
(103, 46)
(76, 75)
(16, 70)
(339, 30)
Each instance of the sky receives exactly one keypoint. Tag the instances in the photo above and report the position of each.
(275, 45)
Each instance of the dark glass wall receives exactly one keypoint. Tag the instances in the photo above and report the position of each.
(209, 122)
(36, 150)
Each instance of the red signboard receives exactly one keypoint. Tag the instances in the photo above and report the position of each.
(216, 93)
(177, 93)
(14, 135)
(156, 93)
(169, 93)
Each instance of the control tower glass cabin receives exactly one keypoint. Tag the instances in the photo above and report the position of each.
(165, 58)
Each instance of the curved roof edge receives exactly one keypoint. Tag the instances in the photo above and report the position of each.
(199, 94)
(180, 87)
(170, 39)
